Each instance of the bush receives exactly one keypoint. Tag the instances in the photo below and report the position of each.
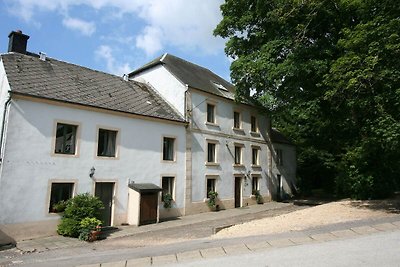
(212, 201)
(77, 209)
(87, 225)
(167, 199)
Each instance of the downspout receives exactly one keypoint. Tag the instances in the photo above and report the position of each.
(3, 126)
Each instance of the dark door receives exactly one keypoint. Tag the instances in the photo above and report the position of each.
(148, 208)
(104, 191)
(279, 188)
(238, 191)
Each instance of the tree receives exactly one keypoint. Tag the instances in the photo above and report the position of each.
(328, 71)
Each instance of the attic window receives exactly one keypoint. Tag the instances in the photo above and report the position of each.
(220, 86)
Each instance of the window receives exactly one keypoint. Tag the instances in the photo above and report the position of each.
(167, 186)
(211, 152)
(236, 120)
(254, 157)
(210, 186)
(279, 157)
(255, 184)
(253, 121)
(168, 149)
(65, 139)
(210, 113)
(59, 192)
(107, 143)
(238, 155)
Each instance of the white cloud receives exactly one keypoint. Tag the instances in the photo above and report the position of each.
(105, 52)
(186, 25)
(84, 27)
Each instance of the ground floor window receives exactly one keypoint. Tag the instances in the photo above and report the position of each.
(60, 192)
(255, 185)
(167, 186)
(210, 186)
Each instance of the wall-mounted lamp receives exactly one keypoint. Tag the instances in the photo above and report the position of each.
(91, 173)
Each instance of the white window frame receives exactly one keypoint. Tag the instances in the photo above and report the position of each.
(210, 177)
(255, 124)
(74, 183)
(239, 120)
(216, 149)
(172, 188)
(241, 147)
(258, 149)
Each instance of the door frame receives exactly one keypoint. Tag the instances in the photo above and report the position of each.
(114, 195)
(239, 197)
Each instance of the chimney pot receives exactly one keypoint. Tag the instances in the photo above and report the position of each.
(17, 42)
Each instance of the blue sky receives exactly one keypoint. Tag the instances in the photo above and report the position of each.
(118, 36)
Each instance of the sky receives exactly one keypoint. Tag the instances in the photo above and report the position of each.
(118, 36)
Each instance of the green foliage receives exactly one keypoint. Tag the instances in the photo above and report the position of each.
(60, 206)
(87, 225)
(167, 199)
(77, 209)
(328, 71)
(212, 199)
(258, 196)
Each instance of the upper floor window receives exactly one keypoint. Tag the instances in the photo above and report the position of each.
(211, 152)
(238, 154)
(279, 157)
(210, 113)
(236, 120)
(255, 156)
(65, 139)
(253, 121)
(169, 149)
(107, 143)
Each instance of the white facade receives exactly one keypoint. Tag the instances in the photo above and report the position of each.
(193, 104)
(30, 166)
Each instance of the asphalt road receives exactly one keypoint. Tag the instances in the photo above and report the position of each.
(381, 249)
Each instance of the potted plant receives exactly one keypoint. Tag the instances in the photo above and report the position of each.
(89, 229)
(167, 199)
(258, 196)
(212, 200)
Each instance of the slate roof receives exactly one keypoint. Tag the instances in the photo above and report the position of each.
(193, 75)
(62, 81)
(278, 137)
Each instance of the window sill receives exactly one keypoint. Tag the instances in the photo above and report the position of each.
(238, 165)
(168, 161)
(107, 158)
(65, 155)
(212, 124)
(255, 134)
(255, 166)
(238, 130)
(212, 164)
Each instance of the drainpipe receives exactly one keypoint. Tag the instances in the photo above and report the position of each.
(3, 126)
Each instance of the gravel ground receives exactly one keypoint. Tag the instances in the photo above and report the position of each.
(335, 212)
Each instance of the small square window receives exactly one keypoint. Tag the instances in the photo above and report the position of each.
(210, 113)
(65, 139)
(211, 153)
(60, 192)
(255, 156)
(238, 155)
(236, 120)
(279, 157)
(255, 186)
(169, 149)
(254, 127)
(167, 186)
(210, 186)
(107, 143)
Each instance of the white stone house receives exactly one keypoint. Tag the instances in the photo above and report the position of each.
(67, 129)
(230, 147)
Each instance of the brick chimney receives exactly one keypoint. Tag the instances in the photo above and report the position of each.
(17, 42)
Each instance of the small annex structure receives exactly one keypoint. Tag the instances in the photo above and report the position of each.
(231, 147)
(67, 129)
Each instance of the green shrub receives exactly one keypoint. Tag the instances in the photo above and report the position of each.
(77, 209)
(86, 226)
(212, 200)
(60, 206)
(167, 199)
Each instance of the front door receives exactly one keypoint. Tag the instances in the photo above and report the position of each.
(105, 192)
(148, 208)
(238, 192)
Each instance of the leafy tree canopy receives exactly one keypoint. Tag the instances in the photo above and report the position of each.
(329, 72)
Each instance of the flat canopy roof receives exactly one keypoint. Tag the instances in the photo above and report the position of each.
(145, 187)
